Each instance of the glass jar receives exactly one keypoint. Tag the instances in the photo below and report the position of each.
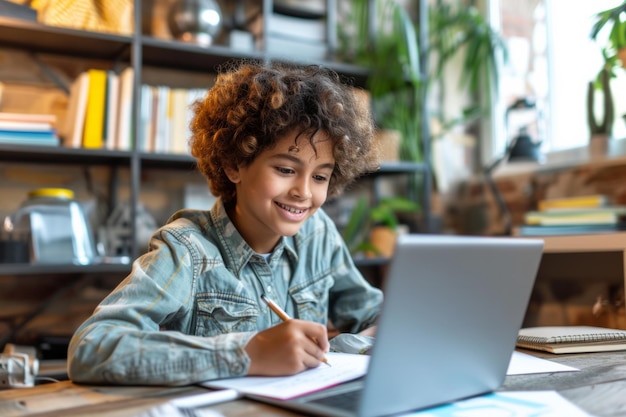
(58, 229)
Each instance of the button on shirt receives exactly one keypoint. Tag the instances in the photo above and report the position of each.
(190, 305)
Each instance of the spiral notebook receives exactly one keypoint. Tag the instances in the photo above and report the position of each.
(453, 308)
(571, 339)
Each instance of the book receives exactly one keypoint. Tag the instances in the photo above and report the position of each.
(291, 27)
(164, 119)
(571, 339)
(112, 101)
(587, 201)
(37, 138)
(125, 115)
(145, 117)
(554, 217)
(93, 134)
(25, 126)
(568, 229)
(28, 118)
(72, 128)
(309, 50)
(179, 131)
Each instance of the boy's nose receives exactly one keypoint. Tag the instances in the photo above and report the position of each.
(301, 189)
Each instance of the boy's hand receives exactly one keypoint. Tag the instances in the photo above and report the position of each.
(287, 348)
(370, 331)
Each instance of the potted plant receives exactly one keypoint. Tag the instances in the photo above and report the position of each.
(460, 31)
(391, 53)
(615, 50)
(372, 230)
(614, 54)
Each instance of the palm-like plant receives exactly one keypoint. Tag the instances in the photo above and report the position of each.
(615, 50)
(392, 55)
(462, 28)
(614, 54)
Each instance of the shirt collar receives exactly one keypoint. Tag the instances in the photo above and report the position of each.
(237, 251)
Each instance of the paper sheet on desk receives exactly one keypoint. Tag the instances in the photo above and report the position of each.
(344, 367)
(518, 404)
(523, 363)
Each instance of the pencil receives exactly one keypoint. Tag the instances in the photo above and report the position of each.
(283, 316)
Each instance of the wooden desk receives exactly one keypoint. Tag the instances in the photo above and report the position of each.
(598, 388)
(609, 249)
(572, 264)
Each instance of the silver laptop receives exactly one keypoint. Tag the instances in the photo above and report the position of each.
(453, 308)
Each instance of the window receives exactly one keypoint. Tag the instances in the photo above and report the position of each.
(552, 59)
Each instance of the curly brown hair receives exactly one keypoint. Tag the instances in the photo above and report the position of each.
(253, 105)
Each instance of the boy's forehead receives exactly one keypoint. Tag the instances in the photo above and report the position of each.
(298, 141)
(300, 145)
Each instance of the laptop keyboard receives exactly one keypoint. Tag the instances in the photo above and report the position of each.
(346, 400)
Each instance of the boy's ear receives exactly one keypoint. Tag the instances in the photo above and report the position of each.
(232, 174)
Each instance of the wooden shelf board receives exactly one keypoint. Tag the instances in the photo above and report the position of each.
(181, 55)
(65, 269)
(60, 155)
(585, 243)
(36, 37)
(169, 161)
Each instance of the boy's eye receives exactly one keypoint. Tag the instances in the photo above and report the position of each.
(284, 170)
(320, 178)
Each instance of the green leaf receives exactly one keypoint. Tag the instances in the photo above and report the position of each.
(356, 222)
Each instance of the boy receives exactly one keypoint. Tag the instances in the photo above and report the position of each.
(274, 142)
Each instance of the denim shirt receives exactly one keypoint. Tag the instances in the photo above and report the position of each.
(192, 302)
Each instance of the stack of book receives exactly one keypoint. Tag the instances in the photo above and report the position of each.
(28, 129)
(574, 215)
(99, 114)
(165, 118)
(99, 110)
(302, 36)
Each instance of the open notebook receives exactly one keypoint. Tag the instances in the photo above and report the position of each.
(453, 307)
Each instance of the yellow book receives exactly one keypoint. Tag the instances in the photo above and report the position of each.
(93, 135)
(600, 215)
(587, 201)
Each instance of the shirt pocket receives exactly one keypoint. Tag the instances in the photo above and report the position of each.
(312, 300)
(225, 313)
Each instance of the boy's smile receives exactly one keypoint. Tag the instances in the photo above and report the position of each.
(282, 188)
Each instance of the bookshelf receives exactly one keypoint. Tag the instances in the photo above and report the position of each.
(141, 51)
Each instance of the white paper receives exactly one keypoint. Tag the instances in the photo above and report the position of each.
(344, 367)
(523, 363)
(518, 404)
(207, 398)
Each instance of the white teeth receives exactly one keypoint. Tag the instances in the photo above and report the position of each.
(291, 209)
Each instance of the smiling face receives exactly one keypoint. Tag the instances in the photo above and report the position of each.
(280, 189)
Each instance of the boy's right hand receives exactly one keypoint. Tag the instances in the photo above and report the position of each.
(287, 348)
